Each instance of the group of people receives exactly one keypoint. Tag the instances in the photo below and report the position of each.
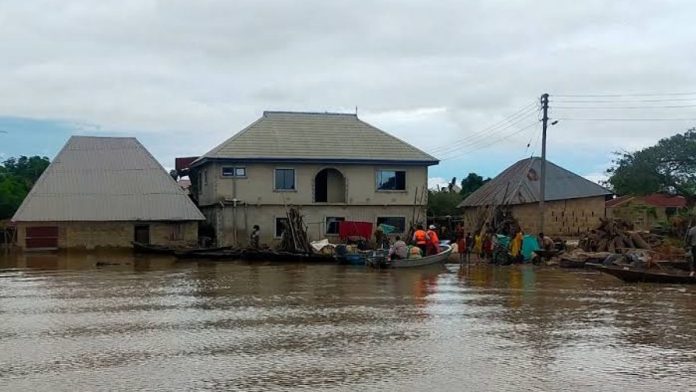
(423, 243)
(479, 244)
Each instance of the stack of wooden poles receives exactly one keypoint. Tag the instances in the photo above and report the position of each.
(615, 235)
(295, 238)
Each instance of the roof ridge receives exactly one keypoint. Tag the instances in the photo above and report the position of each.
(267, 112)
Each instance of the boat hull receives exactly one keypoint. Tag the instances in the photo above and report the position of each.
(437, 259)
(632, 275)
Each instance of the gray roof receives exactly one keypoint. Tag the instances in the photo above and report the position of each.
(315, 137)
(105, 179)
(519, 184)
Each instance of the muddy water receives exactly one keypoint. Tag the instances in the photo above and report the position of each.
(72, 323)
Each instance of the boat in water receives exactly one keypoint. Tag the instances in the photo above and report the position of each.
(647, 275)
(437, 259)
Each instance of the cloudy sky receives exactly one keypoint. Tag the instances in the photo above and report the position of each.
(458, 79)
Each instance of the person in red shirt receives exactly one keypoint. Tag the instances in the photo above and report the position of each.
(421, 239)
(433, 246)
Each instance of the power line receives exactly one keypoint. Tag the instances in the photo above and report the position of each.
(624, 119)
(650, 100)
(625, 107)
(624, 95)
(489, 143)
(522, 112)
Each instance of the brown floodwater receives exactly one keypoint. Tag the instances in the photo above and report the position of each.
(118, 322)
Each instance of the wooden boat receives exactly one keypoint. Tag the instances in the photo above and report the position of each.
(568, 262)
(632, 275)
(141, 247)
(439, 258)
(255, 255)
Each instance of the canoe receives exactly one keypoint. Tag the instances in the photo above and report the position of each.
(567, 262)
(632, 275)
(141, 247)
(255, 255)
(439, 258)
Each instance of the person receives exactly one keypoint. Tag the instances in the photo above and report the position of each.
(421, 239)
(399, 250)
(433, 246)
(461, 243)
(254, 237)
(414, 252)
(516, 246)
(379, 237)
(545, 242)
(469, 246)
(487, 246)
(478, 245)
(691, 243)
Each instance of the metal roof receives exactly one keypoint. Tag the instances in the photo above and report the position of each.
(106, 179)
(520, 183)
(315, 136)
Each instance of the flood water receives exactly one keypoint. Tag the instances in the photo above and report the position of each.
(71, 323)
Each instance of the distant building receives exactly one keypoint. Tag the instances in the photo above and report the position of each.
(334, 166)
(645, 211)
(105, 192)
(573, 203)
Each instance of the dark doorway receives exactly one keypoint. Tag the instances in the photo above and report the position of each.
(41, 237)
(329, 187)
(142, 234)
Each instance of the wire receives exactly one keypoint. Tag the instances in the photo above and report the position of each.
(624, 119)
(487, 144)
(624, 107)
(623, 95)
(525, 110)
(623, 100)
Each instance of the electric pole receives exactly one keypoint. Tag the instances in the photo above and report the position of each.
(542, 184)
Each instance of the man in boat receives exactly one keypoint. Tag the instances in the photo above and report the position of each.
(691, 243)
(545, 242)
(254, 237)
(433, 246)
(399, 250)
(421, 239)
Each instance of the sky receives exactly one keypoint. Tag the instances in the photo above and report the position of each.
(460, 80)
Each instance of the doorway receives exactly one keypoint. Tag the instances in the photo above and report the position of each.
(142, 234)
(329, 187)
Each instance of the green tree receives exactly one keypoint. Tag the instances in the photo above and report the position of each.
(443, 203)
(17, 176)
(668, 166)
(471, 183)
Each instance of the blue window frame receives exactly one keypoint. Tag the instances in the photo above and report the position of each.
(228, 171)
(391, 180)
(285, 179)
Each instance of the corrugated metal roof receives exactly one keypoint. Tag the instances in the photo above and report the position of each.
(328, 136)
(520, 183)
(105, 179)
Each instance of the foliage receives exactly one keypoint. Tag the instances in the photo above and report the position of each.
(668, 166)
(17, 176)
(471, 183)
(443, 203)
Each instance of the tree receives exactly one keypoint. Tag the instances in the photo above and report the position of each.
(17, 177)
(668, 166)
(443, 203)
(471, 183)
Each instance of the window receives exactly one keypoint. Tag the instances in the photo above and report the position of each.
(398, 222)
(391, 180)
(285, 179)
(233, 171)
(332, 224)
(205, 177)
(280, 224)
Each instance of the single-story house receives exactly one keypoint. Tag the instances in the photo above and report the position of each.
(105, 192)
(573, 204)
(645, 211)
(333, 166)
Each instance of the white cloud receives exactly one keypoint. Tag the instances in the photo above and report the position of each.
(435, 183)
(431, 73)
(597, 178)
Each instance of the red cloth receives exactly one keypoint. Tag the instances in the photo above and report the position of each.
(352, 228)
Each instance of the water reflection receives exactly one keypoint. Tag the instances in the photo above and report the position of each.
(93, 321)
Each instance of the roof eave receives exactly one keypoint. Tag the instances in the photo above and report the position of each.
(345, 161)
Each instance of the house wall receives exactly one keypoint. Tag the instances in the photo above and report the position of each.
(90, 235)
(643, 216)
(570, 217)
(233, 225)
(258, 186)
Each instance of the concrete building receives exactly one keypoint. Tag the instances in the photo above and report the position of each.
(573, 203)
(645, 211)
(333, 166)
(105, 192)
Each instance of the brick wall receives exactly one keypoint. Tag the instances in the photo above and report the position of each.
(568, 218)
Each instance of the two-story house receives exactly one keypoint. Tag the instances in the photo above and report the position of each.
(334, 166)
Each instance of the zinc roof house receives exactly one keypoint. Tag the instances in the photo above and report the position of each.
(573, 205)
(105, 192)
(335, 166)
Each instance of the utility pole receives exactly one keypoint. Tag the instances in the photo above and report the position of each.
(542, 184)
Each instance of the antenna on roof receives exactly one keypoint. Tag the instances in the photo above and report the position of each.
(356, 110)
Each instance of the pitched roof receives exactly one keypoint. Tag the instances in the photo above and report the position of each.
(655, 200)
(105, 179)
(337, 137)
(519, 184)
